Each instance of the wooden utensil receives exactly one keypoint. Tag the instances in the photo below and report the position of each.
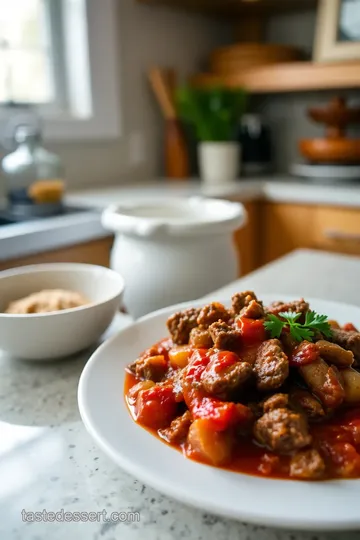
(176, 153)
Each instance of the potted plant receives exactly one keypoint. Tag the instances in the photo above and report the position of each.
(214, 114)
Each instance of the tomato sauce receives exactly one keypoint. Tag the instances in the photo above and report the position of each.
(338, 440)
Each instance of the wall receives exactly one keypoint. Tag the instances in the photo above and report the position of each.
(286, 113)
(147, 36)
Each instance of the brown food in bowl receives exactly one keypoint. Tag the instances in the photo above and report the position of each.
(47, 301)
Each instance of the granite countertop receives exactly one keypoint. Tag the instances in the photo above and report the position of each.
(49, 462)
(53, 233)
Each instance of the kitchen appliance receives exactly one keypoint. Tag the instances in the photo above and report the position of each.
(33, 176)
(173, 249)
(255, 140)
(8, 218)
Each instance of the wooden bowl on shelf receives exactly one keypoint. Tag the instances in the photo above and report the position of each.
(235, 58)
(341, 151)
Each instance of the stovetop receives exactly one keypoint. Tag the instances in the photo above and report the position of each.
(7, 219)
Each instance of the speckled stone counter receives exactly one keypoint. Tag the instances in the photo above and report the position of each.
(49, 462)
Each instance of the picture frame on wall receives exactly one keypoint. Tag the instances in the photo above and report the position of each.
(337, 36)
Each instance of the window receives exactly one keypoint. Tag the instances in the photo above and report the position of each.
(26, 58)
(52, 61)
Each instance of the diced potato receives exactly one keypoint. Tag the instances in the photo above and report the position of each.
(315, 373)
(324, 381)
(335, 354)
(211, 446)
(351, 383)
(334, 324)
(134, 391)
(179, 356)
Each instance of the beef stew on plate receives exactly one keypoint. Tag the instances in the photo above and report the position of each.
(271, 390)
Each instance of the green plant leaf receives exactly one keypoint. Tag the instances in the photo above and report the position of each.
(214, 113)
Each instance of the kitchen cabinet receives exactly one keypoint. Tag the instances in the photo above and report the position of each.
(337, 229)
(247, 240)
(95, 252)
(285, 227)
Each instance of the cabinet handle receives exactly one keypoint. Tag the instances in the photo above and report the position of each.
(333, 234)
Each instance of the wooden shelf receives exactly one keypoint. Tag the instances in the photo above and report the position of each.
(292, 77)
(235, 7)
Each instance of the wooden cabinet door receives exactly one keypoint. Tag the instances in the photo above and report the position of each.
(285, 227)
(247, 240)
(94, 252)
(337, 229)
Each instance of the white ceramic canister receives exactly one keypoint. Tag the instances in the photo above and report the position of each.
(219, 162)
(173, 250)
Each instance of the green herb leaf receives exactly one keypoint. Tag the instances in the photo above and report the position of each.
(318, 322)
(299, 331)
(274, 325)
(290, 315)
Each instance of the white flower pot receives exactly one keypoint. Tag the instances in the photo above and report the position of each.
(173, 250)
(219, 162)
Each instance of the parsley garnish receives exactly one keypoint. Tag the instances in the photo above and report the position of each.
(299, 331)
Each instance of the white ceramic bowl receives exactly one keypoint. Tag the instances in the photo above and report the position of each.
(47, 336)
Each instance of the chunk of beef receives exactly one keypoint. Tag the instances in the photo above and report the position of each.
(212, 313)
(240, 300)
(349, 341)
(225, 337)
(152, 368)
(298, 306)
(271, 365)
(324, 381)
(200, 338)
(307, 465)
(178, 430)
(180, 325)
(277, 401)
(282, 431)
(223, 383)
(335, 354)
(308, 403)
(254, 310)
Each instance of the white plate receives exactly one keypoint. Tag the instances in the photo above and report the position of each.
(282, 503)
